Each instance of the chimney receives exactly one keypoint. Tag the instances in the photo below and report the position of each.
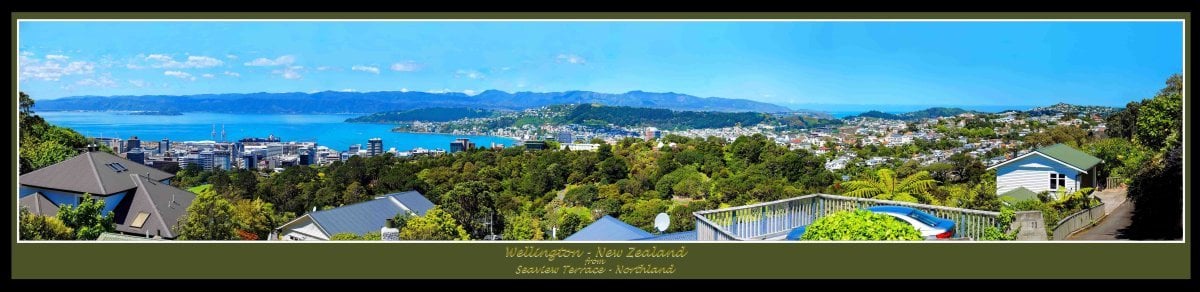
(389, 231)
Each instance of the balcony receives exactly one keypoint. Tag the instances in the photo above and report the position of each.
(773, 220)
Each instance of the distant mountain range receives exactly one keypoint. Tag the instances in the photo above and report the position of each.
(370, 102)
(935, 112)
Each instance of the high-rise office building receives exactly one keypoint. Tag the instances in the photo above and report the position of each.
(164, 146)
(132, 143)
(136, 155)
(461, 144)
(374, 147)
(206, 159)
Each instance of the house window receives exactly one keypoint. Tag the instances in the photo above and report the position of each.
(1057, 180)
(140, 220)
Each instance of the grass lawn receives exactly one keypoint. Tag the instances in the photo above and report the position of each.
(200, 188)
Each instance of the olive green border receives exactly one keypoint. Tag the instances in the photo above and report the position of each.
(1147, 260)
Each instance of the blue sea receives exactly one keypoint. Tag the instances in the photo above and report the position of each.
(327, 130)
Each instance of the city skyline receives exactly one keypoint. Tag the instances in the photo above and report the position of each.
(785, 63)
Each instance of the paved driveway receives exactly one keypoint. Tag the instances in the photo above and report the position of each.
(1119, 212)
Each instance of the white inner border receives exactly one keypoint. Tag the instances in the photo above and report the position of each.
(1182, 22)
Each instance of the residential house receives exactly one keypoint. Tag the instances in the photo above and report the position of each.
(140, 197)
(1058, 169)
(608, 228)
(358, 218)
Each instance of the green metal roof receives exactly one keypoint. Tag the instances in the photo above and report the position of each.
(1070, 155)
(1020, 194)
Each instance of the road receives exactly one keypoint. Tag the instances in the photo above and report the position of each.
(1117, 219)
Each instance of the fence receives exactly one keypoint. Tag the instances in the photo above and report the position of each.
(1077, 221)
(773, 220)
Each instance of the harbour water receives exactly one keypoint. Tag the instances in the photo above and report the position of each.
(327, 130)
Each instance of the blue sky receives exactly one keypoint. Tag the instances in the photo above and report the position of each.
(787, 63)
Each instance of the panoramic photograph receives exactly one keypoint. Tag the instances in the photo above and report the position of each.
(599, 131)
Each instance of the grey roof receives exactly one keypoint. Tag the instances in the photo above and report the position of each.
(360, 218)
(609, 228)
(165, 204)
(122, 237)
(39, 204)
(414, 201)
(90, 173)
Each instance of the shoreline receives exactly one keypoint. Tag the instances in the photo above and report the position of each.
(453, 134)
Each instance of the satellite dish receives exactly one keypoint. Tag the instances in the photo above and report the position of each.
(662, 222)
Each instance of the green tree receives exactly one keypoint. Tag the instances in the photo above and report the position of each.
(435, 225)
(1157, 193)
(612, 169)
(345, 236)
(570, 220)
(884, 186)
(35, 155)
(86, 218)
(581, 195)
(473, 204)
(1070, 135)
(25, 105)
(210, 217)
(1123, 123)
(642, 213)
(1160, 122)
(523, 227)
(1122, 158)
(354, 193)
(38, 227)
(860, 225)
(254, 217)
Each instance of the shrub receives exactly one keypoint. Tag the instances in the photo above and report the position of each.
(860, 225)
(345, 236)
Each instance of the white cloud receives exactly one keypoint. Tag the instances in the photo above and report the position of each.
(50, 70)
(406, 66)
(323, 68)
(57, 57)
(368, 69)
(103, 81)
(231, 56)
(348, 90)
(469, 92)
(134, 66)
(207, 75)
(232, 74)
(138, 83)
(404, 89)
(159, 57)
(468, 74)
(179, 74)
(570, 58)
(289, 72)
(165, 61)
(27, 54)
(280, 61)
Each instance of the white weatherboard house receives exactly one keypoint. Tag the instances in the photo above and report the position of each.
(358, 218)
(1057, 169)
